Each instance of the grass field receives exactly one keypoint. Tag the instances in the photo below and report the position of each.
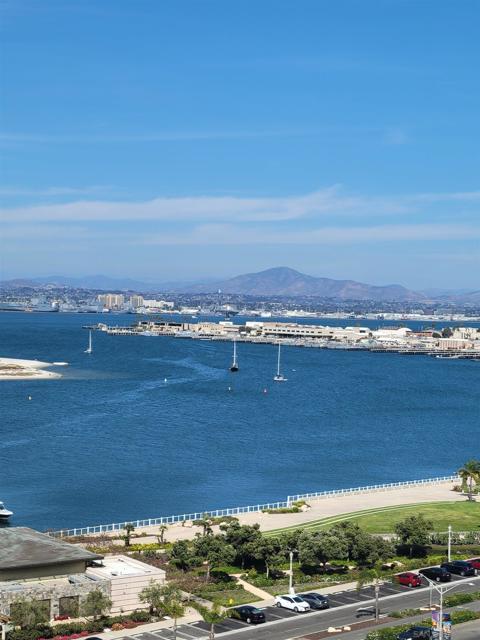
(463, 516)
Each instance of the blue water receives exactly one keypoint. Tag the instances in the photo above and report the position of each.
(111, 441)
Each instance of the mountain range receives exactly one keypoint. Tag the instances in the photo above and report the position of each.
(283, 281)
(277, 281)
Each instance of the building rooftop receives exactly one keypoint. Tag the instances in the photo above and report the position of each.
(24, 547)
(123, 566)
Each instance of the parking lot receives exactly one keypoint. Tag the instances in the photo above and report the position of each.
(199, 630)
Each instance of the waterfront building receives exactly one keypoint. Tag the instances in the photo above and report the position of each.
(136, 301)
(111, 300)
(36, 566)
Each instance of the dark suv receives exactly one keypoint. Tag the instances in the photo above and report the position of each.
(460, 567)
(416, 633)
(315, 600)
(438, 574)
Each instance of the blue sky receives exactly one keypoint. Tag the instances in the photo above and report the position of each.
(182, 139)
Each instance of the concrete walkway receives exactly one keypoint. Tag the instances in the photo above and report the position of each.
(324, 507)
(259, 593)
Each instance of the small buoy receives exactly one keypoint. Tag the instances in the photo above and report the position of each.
(264, 391)
(29, 397)
(164, 379)
(229, 388)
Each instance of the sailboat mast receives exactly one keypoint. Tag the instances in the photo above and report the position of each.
(278, 361)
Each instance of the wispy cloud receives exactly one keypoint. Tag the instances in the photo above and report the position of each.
(331, 201)
(236, 235)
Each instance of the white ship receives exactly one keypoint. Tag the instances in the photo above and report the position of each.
(4, 512)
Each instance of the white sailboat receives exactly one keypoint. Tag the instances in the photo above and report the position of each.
(279, 377)
(89, 349)
(234, 366)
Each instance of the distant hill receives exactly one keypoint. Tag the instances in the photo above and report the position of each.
(283, 281)
(87, 282)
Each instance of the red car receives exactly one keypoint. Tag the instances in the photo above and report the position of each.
(475, 562)
(409, 579)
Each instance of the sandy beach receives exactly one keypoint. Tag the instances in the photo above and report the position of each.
(17, 369)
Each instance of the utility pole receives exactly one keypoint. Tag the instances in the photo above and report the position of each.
(449, 552)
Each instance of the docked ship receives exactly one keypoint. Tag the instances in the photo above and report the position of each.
(4, 513)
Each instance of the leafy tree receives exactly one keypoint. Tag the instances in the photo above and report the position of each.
(414, 531)
(362, 547)
(288, 540)
(242, 537)
(212, 616)
(447, 332)
(215, 551)
(182, 556)
(28, 613)
(161, 533)
(320, 547)
(268, 551)
(96, 604)
(153, 595)
(371, 576)
(165, 600)
(470, 474)
(129, 529)
(173, 605)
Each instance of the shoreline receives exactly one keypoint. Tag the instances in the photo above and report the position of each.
(320, 504)
(19, 369)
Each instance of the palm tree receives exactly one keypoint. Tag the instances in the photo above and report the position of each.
(129, 529)
(161, 533)
(470, 473)
(371, 576)
(212, 616)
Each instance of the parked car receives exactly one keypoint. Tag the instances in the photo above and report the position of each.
(438, 574)
(459, 567)
(475, 562)
(409, 579)
(295, 603)
(249, 614)
(315, 600)
(416, 633)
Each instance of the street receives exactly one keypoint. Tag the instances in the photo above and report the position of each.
(283, 624)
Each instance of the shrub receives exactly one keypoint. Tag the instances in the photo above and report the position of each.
(464, 616)
(140, 616)
(68, 628)
(461, 598)
(95, 626)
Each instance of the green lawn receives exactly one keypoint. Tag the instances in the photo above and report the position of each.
(463, 516)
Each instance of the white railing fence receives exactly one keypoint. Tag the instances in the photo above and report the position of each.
(234, 511)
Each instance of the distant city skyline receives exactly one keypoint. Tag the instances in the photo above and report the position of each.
(192, 140)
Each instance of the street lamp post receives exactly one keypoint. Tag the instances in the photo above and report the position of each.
(449, 550)
(291, 589)
(440, 589)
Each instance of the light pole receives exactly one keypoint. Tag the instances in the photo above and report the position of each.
(440, 589)
(291, 589)
(449, 549)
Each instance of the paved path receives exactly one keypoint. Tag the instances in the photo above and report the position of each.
(324, 508)
(259, 593)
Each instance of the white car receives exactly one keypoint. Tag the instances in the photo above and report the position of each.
(295, 603)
